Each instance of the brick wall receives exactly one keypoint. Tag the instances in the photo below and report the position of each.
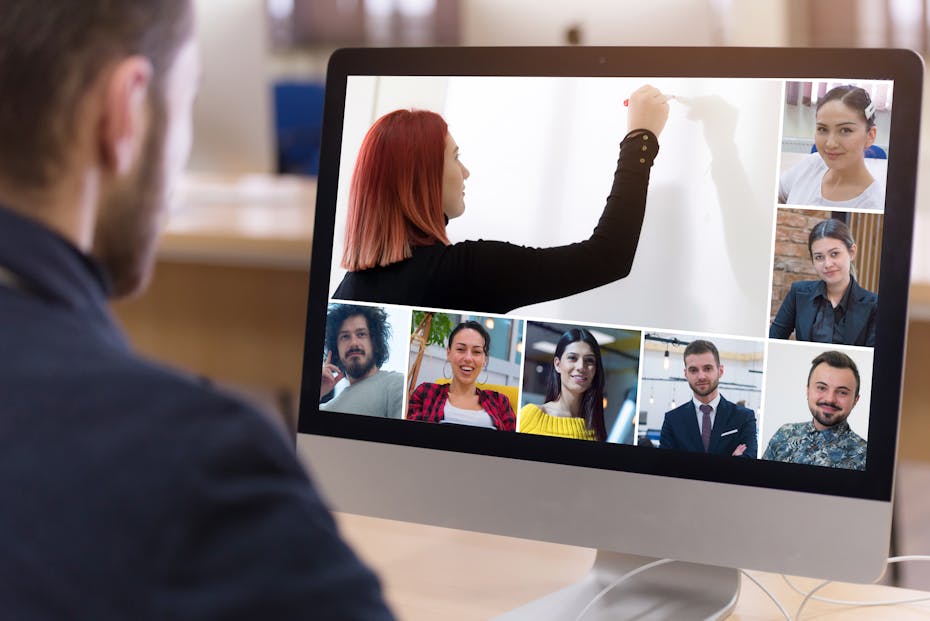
(792, 258)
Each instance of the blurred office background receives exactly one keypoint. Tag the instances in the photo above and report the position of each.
(228, 299)
(260, 107)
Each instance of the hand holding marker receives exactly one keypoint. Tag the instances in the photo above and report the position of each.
(648, 109)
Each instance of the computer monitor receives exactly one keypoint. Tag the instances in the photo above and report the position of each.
(726, 253)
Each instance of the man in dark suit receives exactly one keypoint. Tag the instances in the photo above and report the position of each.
(129, 491)
(708, 423)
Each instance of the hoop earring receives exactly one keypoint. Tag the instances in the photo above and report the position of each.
(444, 376)
(485, 381)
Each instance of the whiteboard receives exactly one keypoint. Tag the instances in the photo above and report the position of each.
(542, 153)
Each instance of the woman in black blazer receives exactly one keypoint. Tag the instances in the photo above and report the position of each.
(833, 309)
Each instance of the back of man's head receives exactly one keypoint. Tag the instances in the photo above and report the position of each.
(52, 53)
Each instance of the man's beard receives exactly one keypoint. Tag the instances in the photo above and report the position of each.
(711, 387)
(129, 220)
(828, 419)
(359, 367)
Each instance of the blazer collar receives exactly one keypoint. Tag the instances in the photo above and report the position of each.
(48, 265)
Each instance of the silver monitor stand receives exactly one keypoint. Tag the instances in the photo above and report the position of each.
(661, 591)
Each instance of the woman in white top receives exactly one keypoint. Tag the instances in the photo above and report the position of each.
(836, 175)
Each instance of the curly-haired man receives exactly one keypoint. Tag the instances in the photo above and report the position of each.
(356, 347)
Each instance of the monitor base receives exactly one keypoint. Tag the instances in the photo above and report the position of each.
(676, 590)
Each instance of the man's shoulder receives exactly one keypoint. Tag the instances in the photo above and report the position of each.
(189, 408)
(684, 409)
(180, 391)
(390, 377)
(851, 438)
(377, 395)
(791, 430)
(380, 381)
(737, 409)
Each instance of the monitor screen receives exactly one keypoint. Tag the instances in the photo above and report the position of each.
(509, 268)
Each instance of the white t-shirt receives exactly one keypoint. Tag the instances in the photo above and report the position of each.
(461, 416)
(800, 185)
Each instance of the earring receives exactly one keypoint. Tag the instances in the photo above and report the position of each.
(449, 376)
(485, 380)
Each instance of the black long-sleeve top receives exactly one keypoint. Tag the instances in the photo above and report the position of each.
(497, 277)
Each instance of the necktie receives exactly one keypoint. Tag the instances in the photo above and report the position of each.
(705, 426)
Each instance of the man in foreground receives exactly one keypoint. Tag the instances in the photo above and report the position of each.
(129, 491)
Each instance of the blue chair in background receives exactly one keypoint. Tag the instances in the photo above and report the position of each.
(874, 151)
(298, 120)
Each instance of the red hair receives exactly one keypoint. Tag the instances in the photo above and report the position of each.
(395, 200)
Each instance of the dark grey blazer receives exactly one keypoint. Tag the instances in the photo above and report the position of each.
(799, 308)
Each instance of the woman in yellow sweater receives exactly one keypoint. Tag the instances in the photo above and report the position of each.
(574, 406)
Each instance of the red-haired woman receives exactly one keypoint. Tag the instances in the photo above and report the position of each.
(408, 182)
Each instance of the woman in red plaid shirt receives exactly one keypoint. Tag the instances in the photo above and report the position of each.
(461, 401)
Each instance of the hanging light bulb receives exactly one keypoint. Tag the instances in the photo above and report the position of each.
(666, 361)
(489, 323)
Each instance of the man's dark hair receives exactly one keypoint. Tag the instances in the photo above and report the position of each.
(378, 328)
(52, 53)
(837, 360)
(701, 347)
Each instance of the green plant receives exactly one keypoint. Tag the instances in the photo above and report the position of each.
(439, 330)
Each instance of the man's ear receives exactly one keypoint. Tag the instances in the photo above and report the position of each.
(124, 117)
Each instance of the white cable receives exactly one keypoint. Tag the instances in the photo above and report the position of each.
(864, 604)
(908, 557)
(616, 582)
(772, 597)
(890, 602)
(807, 598)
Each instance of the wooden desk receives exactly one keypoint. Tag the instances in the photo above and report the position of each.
(433, 573)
